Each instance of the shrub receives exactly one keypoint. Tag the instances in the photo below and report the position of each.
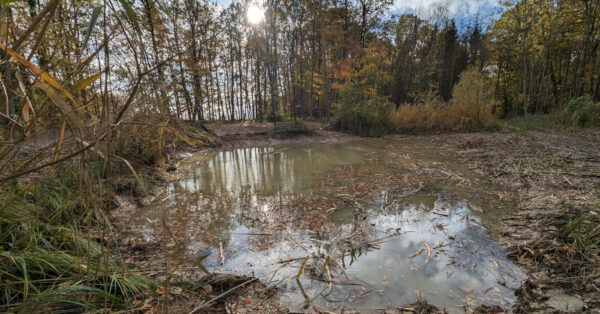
(473, 99)
(577, 104)
(407, 118)
(582, 112)
(362, 114)
(291, 129)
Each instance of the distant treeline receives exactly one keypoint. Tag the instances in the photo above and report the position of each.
(305, 58)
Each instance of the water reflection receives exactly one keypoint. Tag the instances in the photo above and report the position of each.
(463, 265)
(373, 253)
(269, 170)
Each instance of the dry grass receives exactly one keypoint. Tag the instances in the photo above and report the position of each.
(442, 117)
(149, 138)
(471, 108)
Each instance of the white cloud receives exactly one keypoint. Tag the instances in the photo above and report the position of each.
(455, 7)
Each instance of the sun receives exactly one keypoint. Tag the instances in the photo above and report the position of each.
(255, 14)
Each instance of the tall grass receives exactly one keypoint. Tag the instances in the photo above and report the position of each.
(49, 260)
(471, 108)
(437, 116)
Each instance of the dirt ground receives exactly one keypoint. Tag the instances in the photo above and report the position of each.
(258, 134)
(555, 178)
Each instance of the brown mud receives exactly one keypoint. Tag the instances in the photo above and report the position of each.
(552, 178)
(259, 134)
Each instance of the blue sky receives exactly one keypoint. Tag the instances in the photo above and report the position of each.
(458, 8)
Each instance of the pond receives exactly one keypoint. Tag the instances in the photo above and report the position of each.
(361, 225)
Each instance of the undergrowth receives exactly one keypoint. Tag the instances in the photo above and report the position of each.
(150, 138)
(471, 109)
(363, 115)
(291, 129)
(49, 259)
(582, 112)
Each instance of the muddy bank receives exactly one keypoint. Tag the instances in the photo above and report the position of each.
(546, 178)
(556, 180)
(258, 134)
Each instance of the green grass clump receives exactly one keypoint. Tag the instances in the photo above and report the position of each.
(291, 129)
(537, 122)
(578, 113)
(48, 260)
(583, 230)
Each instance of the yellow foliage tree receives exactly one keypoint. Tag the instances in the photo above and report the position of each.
(473, 99)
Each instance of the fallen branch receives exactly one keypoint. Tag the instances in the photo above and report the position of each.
(222, 254)
(205, 304)
(416, 253)
(428, 251)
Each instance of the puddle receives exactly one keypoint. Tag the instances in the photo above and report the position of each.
(371, 225)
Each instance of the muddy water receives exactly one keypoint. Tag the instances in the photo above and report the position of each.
(364, 225)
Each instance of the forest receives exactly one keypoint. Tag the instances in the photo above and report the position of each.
(140, 138)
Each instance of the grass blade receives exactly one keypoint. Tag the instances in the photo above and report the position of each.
(79, 86)
(130, 14)
(51, 86)
(60, 139)
(95, 14)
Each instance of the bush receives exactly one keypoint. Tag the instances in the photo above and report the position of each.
(582, 112)
(291, 129)
(361, 114)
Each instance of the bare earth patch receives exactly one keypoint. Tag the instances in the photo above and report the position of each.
(257, 134)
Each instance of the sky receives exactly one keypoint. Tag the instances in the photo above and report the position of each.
(457, 8)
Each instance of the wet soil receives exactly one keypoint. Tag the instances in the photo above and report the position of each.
(258, 134)
(548, 178)
(556, 178)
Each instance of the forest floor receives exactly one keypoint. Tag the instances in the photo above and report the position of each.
(552, 233)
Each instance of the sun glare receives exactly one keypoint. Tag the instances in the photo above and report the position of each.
(255, 14)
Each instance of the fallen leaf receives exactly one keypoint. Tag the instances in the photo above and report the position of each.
(161, 290)
(207, 288)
